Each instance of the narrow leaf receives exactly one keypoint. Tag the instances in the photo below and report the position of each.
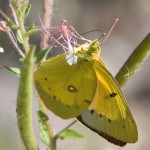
(41, 55)
(32, 29)
(70, 134)
(13, 70)
(12, 25)
(19, 36)
(42, 116)
(27, 9)
(44, 134)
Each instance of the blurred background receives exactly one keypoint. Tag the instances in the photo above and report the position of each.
(84, 16)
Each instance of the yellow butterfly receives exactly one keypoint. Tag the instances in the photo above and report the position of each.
(86, 88)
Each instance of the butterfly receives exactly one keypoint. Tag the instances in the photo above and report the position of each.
(88, 91)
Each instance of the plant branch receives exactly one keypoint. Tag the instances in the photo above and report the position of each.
(24, 102)
(25, 91)
(136, 59)
(47, 17)
(4, 15)
(24, 34)
(18, 14)
(71, 124)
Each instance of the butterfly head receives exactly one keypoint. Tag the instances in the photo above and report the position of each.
(88, 51)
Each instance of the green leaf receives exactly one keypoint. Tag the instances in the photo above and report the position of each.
(13, 70)
(70, 134)
(19, 36)
(42, 116)
(41, 55)
(32, 29)
(27, 9)
(1, 50)
(43, 128)
(12, 24)
(44, 134)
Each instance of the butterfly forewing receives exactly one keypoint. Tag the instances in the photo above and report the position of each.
(109, 115)
(66, 90)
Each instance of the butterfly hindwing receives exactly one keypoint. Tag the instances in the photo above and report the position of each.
(66, 90)
(109, 115)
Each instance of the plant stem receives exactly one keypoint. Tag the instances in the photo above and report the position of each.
(24, 34)
(24, 103)
(71, 124)
(54, 138)
(4, 15)
(133, 63)
(24, 98)
(47, 17)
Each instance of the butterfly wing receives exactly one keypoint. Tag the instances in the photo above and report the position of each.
(109, 115)
(66, 90)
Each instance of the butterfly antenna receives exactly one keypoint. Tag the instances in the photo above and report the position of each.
(102, 36)
(108, 34)
(92, 31)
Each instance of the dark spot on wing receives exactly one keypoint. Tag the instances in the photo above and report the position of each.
(91, 111)
(124, 126)
(72, 88)
(54, 97)
(87, 101)
(67, 106)
(100, 115)
(113, 94)
(49, 88)
(77, 106)
(45, 79)
(109, 120)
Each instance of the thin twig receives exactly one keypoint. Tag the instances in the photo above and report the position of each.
(47, 17)
(13, 12)
(72, 123)
(4, 15)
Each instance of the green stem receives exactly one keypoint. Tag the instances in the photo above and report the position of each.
(24, 103)
(53, 143)
(54, 138)
(133, 63)
(16, 6)
(24, 34)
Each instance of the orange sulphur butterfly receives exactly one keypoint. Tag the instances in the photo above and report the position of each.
(109, 115)
(69, 90)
